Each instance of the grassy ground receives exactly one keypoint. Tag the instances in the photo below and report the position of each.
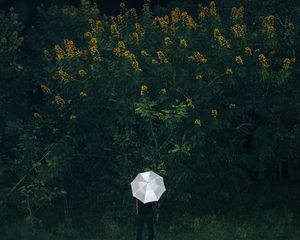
(264, 225)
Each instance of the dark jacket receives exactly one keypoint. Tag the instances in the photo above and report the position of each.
(144, 209)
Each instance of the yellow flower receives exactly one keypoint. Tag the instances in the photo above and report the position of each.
(160, 116)
(135, 65)
(175, 15)
(248, 51)
(144, 53)
(231, 105)
(268, 24)
(222, 41)
(96, 26)
(64, 76)
(93, 49)
(81, 72)
(199, 57)
(263, 60)
(214, 112)
(93, 41)
(237, 13)
(199, 77)
(188, 20)
(238, 30)
(45, 88)
(70, 48)
(168, 41)
(82, 94)
(154, 61)
(183, 43)
(213, 9)
(127, 54)
(59, 100)
(121, 44)
(198, 122)
(161, 56)
(144, 89)
(163, 91)
(114, 29)
(291, 26)
(139, 32)
(228, 71)
(73, 117)
(37, 115)
(239, 60)
(189, 102)
(287, 62)
(60, 54)
(162, 21)
(203, 12)
(133, 12)
(120, 18)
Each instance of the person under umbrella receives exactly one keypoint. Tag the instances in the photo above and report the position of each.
(144, 214)
(147, 187)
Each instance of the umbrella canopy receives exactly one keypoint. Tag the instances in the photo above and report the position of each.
(148, 187)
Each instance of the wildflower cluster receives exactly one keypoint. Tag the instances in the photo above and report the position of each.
(114, 29)
(189, 103)
(198, 57)
(94, 48)
(198, 122)
(82, 94)
(162, 57)
(175, 15)
(96, 26)
(163, 91)
(183, 42)
(239, 60)
(163, 22)
(139, 32)
(59, 100)
(268, 24)
(237, 13)
(248, 51)
(287, 62)
(45, 88)
(238, 30)
(188, 21)
(214, 113)
(143, 90)
(133, 12)
(144, 53)
(81, 72)
(228, 71)
(64, 76)
(231, 106)
(221, 39)
(211, 11)
(168, 41)
(263, 60)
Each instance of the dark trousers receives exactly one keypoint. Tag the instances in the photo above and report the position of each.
(141, 220)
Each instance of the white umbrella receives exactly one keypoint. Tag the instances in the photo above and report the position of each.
(148, 187)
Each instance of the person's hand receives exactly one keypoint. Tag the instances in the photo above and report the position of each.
(157, 217)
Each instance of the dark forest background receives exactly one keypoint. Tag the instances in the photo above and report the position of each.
(66, 163)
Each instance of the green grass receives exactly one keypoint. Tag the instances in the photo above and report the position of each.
(263, 225)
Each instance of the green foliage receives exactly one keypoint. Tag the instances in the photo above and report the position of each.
(206, 97)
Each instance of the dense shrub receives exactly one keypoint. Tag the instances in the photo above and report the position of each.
(207, 98)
